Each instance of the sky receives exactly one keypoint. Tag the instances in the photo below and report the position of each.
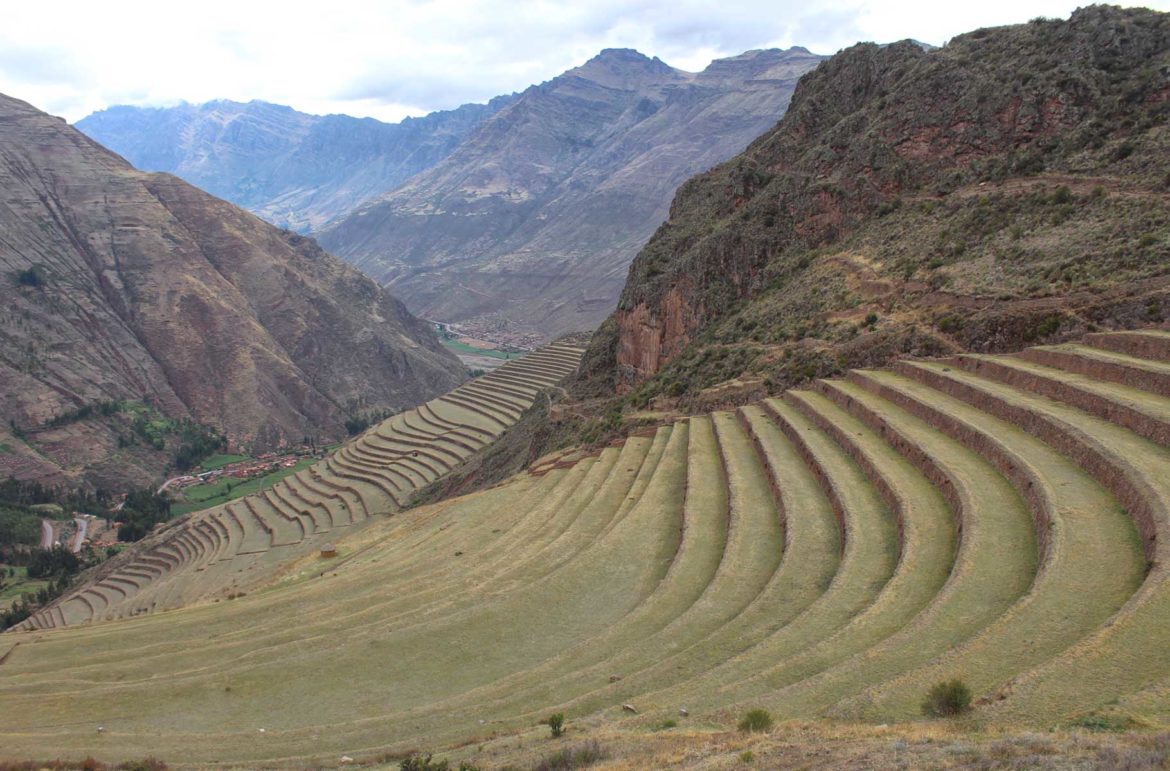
(396, 58)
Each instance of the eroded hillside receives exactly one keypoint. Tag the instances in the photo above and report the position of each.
(1009, 188)
(295, 170)
(532, 222)
(123, 288)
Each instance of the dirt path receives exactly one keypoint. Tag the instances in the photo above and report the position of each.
(82, 525)
(46, 534)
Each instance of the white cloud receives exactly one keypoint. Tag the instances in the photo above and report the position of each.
(395, 58)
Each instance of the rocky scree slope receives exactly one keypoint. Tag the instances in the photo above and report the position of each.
(1006, 189)
(532, 222)
(293, 169)
(121, 286)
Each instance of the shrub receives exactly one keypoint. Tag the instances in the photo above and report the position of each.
(34, 277)
(950, 324)
(871, 319)
(556, 724)
(756, 721)
(946, 699)
(575, 757)
(1097, 721)
(425, 763)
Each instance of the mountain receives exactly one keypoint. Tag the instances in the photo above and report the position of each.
(1006, 189)
(292, 169)
(136, 296)
(531, 223)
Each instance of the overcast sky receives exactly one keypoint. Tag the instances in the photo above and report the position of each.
(396, 58)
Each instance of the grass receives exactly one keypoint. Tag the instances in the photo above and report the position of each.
(17, 585)
(701, 571)
(223, 490)
(459, 347)
(221, 460)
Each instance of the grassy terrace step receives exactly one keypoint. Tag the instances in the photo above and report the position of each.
(562, 674)
(626, 537)
(1139, 411)
(781, 549)
(869, 558)
(835, 552)
(486, 399)
(459, 441)
(404, 471)
(388, 451)
(1147, 375)
(995, 564)
(500, 391)
(927, 534)
(390, 483)
(486, 412)
(1091, 564)
(1144, 344)
(440, 448)
(431, 414)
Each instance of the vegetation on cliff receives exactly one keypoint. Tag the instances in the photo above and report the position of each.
(1006, 189)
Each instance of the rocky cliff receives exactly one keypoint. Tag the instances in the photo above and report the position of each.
(532, 222)
(294, 170)
(126, 291)
(1008, 188)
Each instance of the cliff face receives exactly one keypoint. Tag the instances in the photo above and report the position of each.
(977, 196)
(121, 286)
(292, 169)
(532, 222)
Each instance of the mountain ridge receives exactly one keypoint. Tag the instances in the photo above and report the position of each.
(531, 222)
(915, 202)
(127, 287)
(291, 168)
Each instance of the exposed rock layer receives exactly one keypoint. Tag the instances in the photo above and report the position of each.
(293, 169)
(534, 219)
(121, 285)
(1007, 188)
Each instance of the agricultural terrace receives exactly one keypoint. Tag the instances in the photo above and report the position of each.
(226, 549)
(835, 552)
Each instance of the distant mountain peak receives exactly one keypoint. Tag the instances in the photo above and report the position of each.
(625, 68)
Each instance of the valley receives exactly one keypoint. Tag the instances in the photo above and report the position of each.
(831, 553)
(796, 411)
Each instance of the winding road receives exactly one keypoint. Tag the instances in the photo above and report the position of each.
(82, 525)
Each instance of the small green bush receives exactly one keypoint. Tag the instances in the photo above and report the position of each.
(425, 763)
(950, 324)
(1097, 721)
(946, 699)
(556, 724)
(747, 756)
(580, 756)
(34, 277)
(756, 721)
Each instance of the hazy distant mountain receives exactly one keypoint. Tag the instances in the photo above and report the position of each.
(293, 169)
(119, 287)
(535, 218)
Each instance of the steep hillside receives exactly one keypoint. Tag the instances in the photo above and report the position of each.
(294, 170)
(831, 554)
(1009, 188)
(532, 222)
(123, 288)
(224, 550)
